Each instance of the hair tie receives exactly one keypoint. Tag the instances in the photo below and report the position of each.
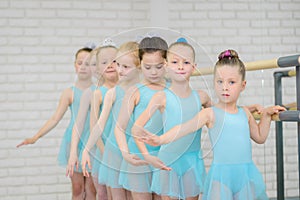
(108, 42)
(226, 54)
(183, 40)
(90, 45)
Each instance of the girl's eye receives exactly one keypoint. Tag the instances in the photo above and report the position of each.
(219, 81)
(147, 67)
(114, 61)
(159, 66)
(174, 62)
(231, 82)
(187, 63)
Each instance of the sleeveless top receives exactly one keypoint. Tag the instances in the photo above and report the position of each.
(230, 146)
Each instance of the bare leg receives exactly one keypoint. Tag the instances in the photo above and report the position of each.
(140, 195)
(77, 186)
(156, 196)
(109, 195)
(193, 198)
(89, 188)
(118, 194)
(100, 189)
(128, 195)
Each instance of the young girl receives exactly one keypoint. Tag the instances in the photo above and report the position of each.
(106, 71)
(128, 65)
(69, 98)
(232, 174)
(178, 104)
(134, 177)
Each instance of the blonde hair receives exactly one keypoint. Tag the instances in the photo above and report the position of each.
(184, 44)
(131, 48)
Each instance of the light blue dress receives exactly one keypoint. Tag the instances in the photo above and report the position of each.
(112, 157)
(232, 174)
(139, 178)
(184, 156)
(97, 156)
(64, 152)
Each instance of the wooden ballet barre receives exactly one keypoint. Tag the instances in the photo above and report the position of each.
(286, 61)
(290, 115)
(250, 66)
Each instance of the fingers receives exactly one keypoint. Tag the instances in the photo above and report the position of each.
(70, 170)
(21, 144)
(85, 170)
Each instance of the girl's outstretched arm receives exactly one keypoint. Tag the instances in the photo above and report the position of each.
(259, 132)
(77, 130)
(130, 100)
(66, 99)
(157, 102)
(204, 117)
(97, 130)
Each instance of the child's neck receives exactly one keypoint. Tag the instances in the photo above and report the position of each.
(127, 84)
(154, 86)
(181, 89)
(228, 107)
(83, 84)
(110, 83)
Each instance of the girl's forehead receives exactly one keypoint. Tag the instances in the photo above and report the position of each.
(83, 55)
(227, 71)
(181, 52)
(152, 58)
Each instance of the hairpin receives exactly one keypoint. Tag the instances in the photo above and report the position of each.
(108, 42)
(181, 40)
(90, 45)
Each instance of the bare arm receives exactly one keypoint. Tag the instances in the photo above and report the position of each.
(204, 117)
(64, 102)
(80, 120)
(259, 132)
(130, 100)
(100, 125)
(158, 101)
(205, 99)
(96, 102)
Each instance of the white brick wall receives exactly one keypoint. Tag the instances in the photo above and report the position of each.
(39, 38)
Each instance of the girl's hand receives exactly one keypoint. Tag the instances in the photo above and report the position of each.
(156, 162)
(27, 141)
(145, 136)
(73, 162)
(85, 161)
(273, 110)
(134, 159)
(255, 108)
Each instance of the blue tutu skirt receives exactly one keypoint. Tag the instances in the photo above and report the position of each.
(234, 181)
(186, 179)
(110, 167)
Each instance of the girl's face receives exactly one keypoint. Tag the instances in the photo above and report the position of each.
(81, 59)
(180, 63)
(93, 65)
(82, 67)
(153, 67)
(107, 64)
(127, 68)
(228, 84)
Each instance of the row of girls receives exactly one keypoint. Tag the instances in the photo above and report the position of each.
(105, 160)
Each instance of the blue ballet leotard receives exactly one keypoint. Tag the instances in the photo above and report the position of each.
(64, 151)
(112, 157)
(97, 156)
(139, 178)
(232, 174)
(184, 156)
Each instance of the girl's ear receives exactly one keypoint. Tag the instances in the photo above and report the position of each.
(244, 85)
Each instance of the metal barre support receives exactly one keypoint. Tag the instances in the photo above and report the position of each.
(291, 116)
(289, 61)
